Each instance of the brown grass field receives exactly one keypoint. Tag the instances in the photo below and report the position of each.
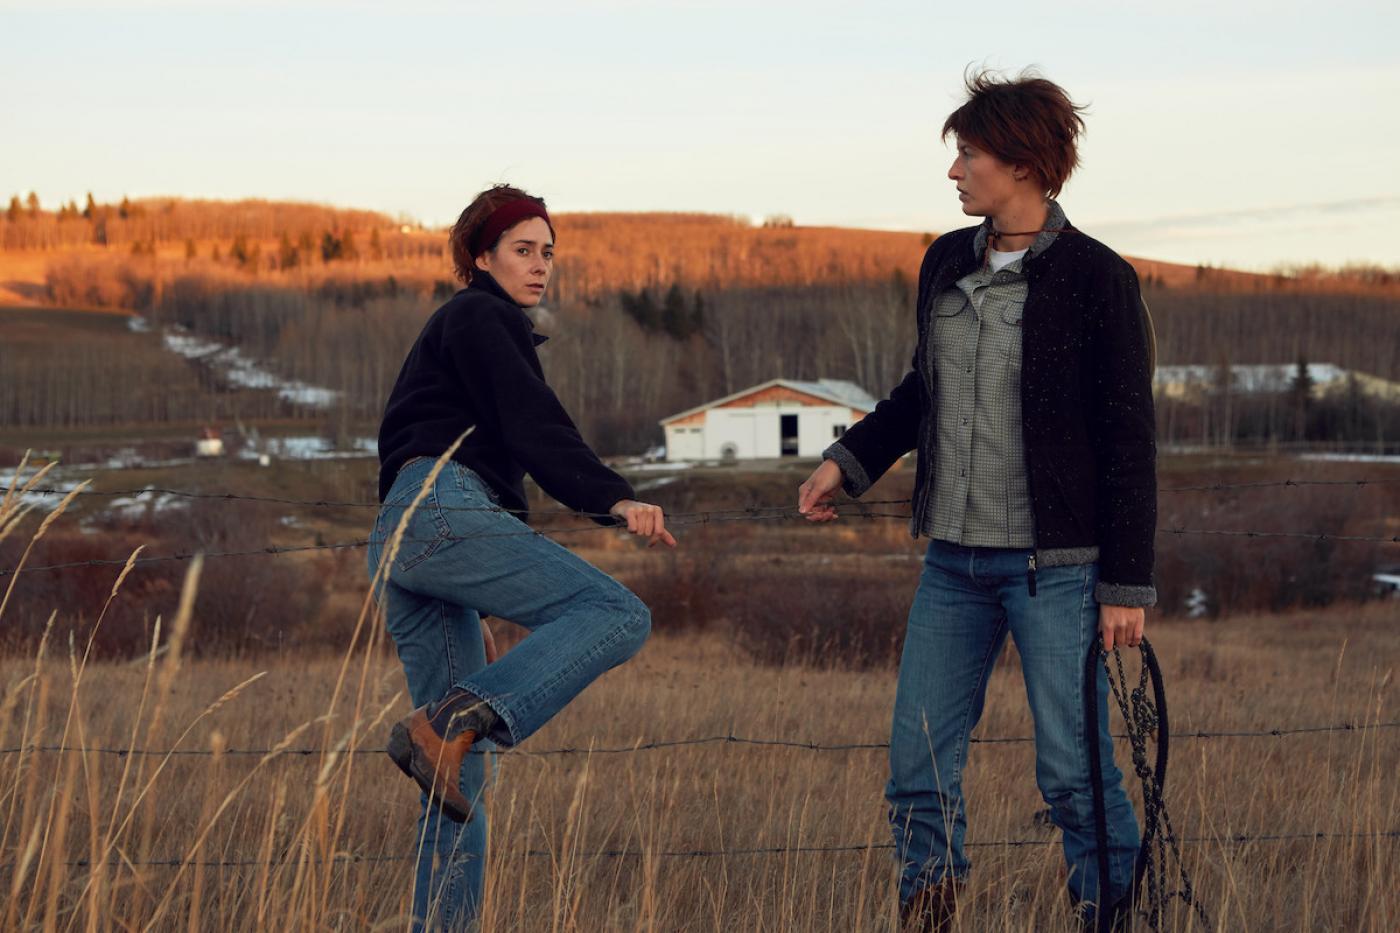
(295, 821)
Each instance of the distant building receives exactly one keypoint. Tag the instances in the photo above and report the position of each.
(779, 418)
(1193, 382)
(210, 444)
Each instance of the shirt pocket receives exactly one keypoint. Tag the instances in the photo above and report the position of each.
(952, 320)
(1009, 333)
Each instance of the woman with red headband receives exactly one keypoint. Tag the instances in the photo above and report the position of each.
(467, 551)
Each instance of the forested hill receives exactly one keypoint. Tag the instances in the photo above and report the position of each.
(655, 313)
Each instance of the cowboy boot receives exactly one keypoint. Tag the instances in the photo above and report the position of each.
(1117, 917)
(931, 908)
(431, 742)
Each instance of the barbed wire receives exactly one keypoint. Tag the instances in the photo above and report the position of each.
(358, 504)
(700, 519)
(353, 857)
(347, 504)
(681, 743)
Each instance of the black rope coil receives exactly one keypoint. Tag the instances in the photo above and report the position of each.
(1145, 719)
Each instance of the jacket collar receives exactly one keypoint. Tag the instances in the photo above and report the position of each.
(484, 281)
(1055, 221)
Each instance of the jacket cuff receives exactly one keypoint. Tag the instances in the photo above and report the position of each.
(855, 481)
(1120, 594)
(606, 498)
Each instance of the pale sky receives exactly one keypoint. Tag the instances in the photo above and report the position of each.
(1240, 133)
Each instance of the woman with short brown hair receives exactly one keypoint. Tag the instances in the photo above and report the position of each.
(1030, 404)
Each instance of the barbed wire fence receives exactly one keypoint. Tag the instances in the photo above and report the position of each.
(1238, 839)
(864, 510)
(870, 510)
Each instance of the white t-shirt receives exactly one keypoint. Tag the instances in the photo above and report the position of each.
(999, 260)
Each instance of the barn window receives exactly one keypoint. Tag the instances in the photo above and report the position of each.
(837, 430)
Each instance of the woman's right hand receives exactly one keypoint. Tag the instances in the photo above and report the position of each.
(645, 520)
(814, 496)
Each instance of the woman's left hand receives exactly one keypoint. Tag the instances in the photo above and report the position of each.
(1121, 625)
(645, 520)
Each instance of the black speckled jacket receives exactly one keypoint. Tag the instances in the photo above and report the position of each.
(1088, 427)
(474, 366)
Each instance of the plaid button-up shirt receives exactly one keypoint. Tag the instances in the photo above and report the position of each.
(980, 496)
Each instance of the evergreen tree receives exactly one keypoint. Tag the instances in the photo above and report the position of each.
(90, 208)
(12, 215)
(675, 319)
(124, 208)
(238, 252)
(376, 249)
(330, 247)
(33, 202)
(642, 309)
(287, 255)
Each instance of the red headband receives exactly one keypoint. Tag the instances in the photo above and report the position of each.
(502, 219)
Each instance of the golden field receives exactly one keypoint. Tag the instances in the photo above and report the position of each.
(295, 821)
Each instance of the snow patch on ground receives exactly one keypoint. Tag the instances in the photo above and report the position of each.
(45, 501)
(309, 447)
(655, 483)
(1353, 458)
(133, 508)
(242, 371)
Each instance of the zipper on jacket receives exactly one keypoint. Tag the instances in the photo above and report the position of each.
(1030, 575)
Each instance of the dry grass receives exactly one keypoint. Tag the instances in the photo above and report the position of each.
(258, 834)
(304, 809)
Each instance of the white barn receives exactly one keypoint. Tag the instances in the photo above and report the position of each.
(779, 418)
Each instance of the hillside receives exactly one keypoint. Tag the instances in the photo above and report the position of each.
(598, 252)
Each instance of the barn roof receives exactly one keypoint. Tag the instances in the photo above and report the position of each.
(836, 391)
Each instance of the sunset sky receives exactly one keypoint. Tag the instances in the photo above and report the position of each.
(1239, 133)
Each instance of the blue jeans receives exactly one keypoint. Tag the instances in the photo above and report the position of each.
(463, 556)
(967, 601)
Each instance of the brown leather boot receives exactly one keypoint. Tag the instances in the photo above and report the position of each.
(931, 908)
(1117, 918)
(433, 758)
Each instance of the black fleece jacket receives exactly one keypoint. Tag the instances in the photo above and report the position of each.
(1088, 427)
(475, 365)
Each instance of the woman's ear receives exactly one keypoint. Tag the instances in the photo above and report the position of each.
(483, 262)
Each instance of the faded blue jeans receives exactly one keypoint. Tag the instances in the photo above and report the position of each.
(968, 600)
(463, 556)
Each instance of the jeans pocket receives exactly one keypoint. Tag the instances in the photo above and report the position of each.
(425, 532)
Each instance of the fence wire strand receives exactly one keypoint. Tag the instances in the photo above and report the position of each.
(1049, 840)
(737, 740)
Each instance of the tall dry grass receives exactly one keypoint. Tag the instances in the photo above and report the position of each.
(263, 803)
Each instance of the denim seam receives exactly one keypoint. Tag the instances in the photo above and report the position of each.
(447, 644)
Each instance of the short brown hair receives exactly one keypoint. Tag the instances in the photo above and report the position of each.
(1026, 121)
(472, 219)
